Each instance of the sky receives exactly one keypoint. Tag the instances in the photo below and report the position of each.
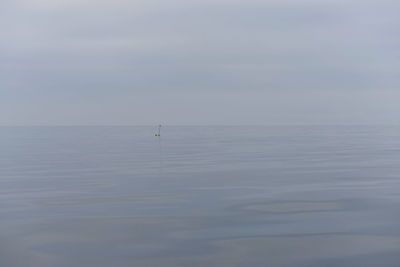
(199, 62)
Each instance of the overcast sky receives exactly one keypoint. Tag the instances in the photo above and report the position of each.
(77, 62)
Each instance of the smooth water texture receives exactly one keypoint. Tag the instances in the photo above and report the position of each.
(200, 196)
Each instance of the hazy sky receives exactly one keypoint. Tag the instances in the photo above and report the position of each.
(199, 61)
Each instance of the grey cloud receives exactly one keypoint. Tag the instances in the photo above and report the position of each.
(100, 51)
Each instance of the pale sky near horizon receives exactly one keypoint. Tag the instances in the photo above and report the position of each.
(97, 62)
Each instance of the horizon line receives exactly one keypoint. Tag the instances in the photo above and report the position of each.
(214, 125)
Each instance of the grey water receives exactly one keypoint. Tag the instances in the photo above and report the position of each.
(200, 196)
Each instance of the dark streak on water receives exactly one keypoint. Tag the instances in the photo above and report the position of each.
(200, 196)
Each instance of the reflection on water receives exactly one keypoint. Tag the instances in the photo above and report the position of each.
(200, 196)
(294, 207)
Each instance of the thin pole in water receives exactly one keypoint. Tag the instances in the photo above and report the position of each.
(159, 130)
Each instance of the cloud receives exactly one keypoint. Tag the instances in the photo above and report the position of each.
(125, 47)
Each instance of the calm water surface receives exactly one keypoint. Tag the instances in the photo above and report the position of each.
(200, 196)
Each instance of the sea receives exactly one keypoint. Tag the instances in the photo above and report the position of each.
(200, 196)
